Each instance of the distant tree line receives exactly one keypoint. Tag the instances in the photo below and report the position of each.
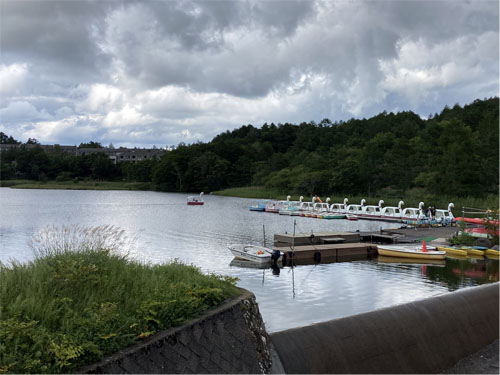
(454, 152)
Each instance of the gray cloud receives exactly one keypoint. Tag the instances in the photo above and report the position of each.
(137, 72)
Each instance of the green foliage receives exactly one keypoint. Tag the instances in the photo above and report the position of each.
(80, 300)
(91, 144)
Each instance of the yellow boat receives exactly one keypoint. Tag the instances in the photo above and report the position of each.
(492, 253)
(472, 251)
(453, 250)
(473, 256)
(458, 257)
(411, 251)
(399, 260)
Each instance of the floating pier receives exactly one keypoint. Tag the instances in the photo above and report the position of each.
(318, 238)
(324, 247)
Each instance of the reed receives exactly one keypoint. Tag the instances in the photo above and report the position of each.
(81, 299)
(79, 185)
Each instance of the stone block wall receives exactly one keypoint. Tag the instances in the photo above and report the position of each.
(230, 338)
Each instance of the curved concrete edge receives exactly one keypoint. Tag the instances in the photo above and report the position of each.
(229, 338)
(426, 336)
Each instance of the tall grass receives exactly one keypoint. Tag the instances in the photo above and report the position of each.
(79, 185)
(80, 299)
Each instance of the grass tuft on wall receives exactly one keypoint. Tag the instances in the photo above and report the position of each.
(80, 299)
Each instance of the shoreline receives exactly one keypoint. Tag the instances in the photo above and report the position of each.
(258, 192)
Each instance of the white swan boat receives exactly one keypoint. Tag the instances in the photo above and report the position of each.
(254, 253)
(321, 209)
(195, 200)
(371, 212)
(445, 216)
(414, 214)
(391, 213)
(339, 208)
(356, 209)
(306, 208)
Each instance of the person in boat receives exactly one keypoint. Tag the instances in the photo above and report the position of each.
(433, 212)
(428, 212)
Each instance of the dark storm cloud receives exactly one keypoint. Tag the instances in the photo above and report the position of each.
(187, 70)
(56, 37)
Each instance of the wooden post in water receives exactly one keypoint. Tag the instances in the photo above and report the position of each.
(264, 230)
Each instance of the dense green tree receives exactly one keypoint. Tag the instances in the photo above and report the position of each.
(91, 144)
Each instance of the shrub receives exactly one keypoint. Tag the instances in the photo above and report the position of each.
(81, 299)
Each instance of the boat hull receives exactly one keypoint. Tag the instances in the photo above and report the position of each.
(333, 216)
(492, 253)
(257, 254)
(453, 250)
(402, 260)
(408, 252)
(472, 251)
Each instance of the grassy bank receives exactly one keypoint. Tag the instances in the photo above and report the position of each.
(77, 185)
(79, 300)
(411, 199)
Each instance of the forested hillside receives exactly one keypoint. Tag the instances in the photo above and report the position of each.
(452, 153)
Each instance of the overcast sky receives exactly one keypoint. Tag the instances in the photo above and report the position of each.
(143, 73)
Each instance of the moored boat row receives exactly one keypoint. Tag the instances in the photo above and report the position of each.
(326, 210)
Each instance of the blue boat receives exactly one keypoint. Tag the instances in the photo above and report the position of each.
(259, 205)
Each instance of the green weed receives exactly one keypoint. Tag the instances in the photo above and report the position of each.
(81, 299)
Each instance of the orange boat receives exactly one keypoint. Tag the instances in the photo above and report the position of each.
(477, 220)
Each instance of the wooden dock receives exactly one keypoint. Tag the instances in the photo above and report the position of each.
(327, 253)
(318, 238)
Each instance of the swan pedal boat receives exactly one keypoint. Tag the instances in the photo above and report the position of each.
(412, 251)
(254, 253)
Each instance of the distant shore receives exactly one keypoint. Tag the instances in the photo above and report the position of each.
(260, 192)
(76, 185)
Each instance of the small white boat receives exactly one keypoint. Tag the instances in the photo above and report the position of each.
(410, 251)
(254, 253)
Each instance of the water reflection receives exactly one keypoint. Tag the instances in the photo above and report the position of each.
(288, 296)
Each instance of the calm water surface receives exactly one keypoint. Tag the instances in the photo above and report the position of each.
(166, 228)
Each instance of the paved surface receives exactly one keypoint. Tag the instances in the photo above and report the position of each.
(419, 233)
(485, 361)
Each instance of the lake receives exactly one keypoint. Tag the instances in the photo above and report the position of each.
(166, 228)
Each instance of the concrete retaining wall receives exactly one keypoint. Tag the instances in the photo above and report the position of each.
(228, 339)
(426, 336)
